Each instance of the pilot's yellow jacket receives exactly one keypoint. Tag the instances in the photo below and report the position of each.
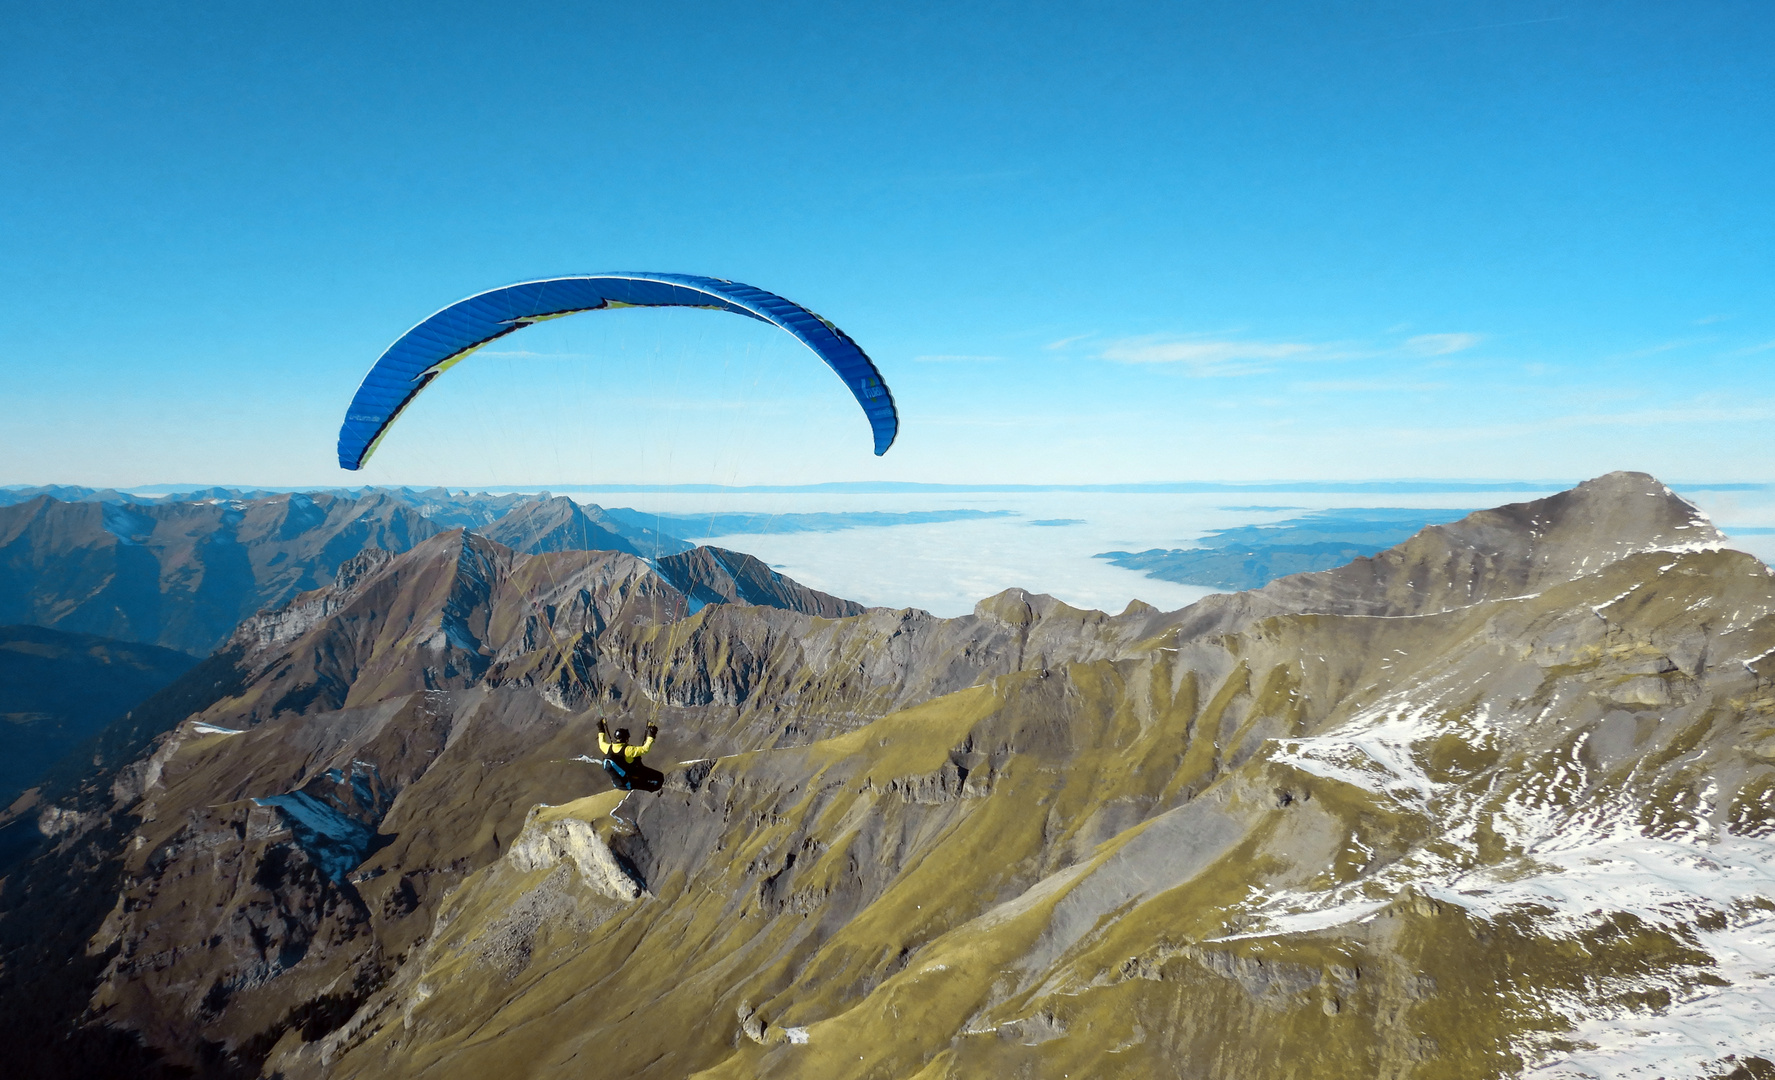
(626, 752)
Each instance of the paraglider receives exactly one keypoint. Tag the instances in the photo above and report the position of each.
(443, 340)
(623, 760)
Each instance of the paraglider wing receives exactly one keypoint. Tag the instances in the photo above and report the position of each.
(435, 345)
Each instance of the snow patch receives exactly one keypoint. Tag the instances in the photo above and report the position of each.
(336, 841)
(1373, 751)
(1631, 589)
(1308, 921)
(129, 528)
(1671, 884)
(200, 728)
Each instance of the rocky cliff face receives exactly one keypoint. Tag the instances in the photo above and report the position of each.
(1490, 803)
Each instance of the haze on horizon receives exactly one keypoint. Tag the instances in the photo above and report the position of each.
(1160, 242)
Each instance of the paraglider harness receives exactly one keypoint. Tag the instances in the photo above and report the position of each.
(623, 761)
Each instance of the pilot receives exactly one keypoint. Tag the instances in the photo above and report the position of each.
(623, 760)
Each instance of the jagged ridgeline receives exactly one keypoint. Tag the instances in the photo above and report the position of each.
(1497, 799)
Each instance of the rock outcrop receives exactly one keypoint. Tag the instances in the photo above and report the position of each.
(553, 836)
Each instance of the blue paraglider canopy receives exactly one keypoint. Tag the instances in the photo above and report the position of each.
(431, 348)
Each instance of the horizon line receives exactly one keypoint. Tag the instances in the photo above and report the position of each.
(892, 487)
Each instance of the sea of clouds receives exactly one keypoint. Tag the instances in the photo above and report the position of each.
(1049, 543)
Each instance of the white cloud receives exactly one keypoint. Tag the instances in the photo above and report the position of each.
(1366, 386)
(1206, 358)
(1065, 341)
(1441, 344)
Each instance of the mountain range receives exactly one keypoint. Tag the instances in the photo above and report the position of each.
(1495, 801)
(1252, 556)
(182, 573)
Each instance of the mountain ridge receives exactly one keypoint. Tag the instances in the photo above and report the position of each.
(183, 574)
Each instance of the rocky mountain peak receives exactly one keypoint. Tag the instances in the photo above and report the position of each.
(555, 524)
(712, 575)
(1511, 550)
(1020, 607)
(459, 608)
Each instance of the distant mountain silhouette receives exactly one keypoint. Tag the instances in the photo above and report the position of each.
(182, 572)
(1252, 556)
(732, 523)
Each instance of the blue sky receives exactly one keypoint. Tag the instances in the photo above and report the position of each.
(1085, 243)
